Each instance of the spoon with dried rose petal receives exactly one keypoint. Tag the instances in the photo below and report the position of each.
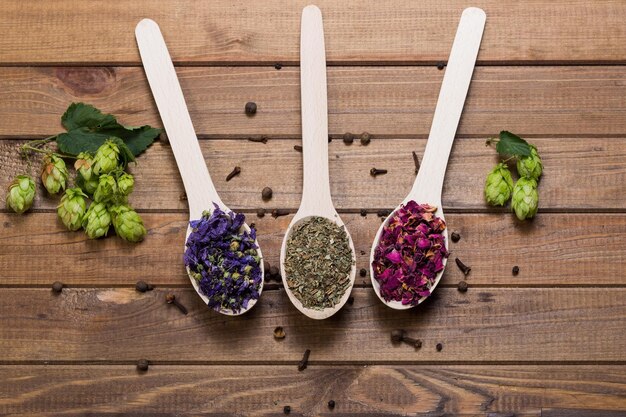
(409, 252)
(222, 255)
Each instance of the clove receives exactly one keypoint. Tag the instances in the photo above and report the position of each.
(278, 66)
(348, 138)
(331, 404)
(260, 213)
(399, 335)
(298, 148)
(171, 299)
(262, 139)
(363, 212)
(441, 65)
(515, 270)
(375, 171)
(439, 347)
(416, 161)
(455, 237)
(462, 286)
(143, 286)
(363, 272)
(464, 268)
(305, 360)
(57, 286)
(383, 213)
(143, 365)
(250, 108)
(279, 212)
(236, 171)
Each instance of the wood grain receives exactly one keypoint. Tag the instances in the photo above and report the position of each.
(487, 324)
(385, 101)
(580, 174)
(564, 250)
(264, 390)
(236, 32)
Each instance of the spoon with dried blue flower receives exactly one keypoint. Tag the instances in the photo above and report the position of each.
(222, 255)
(409, 252)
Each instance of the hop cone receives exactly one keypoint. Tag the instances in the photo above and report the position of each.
(127, 223)
(72, 208)
(525, 198)
(499, 185)
(530, 166)
(125, 184)
(106, 189)
(88, 186)
(54, 174)
(84, 165)
(21, 194)
(97, 220)
(107, 158)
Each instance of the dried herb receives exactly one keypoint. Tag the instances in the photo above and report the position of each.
(250, 108)
(464, 268)
(266, 193)
(304, 362)
(222, 256)
(410, 253)
(399, 335)
(236, 171)
(318, 262)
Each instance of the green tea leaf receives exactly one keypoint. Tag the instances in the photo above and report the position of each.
(511, 144)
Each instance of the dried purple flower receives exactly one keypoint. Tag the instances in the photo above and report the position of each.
(410, 253)
(224, 260)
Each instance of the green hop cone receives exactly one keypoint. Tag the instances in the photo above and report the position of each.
(54, 174)
(97, 220)
(72, 208)
(530, 166)
(125, 184)
(499, 185)
(107, 158)
(21, 194)
(525, 198)
(127, 223)
(106, 189)
(88, 186)
(84, 165)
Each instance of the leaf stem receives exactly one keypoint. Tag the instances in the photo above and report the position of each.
(27, 147)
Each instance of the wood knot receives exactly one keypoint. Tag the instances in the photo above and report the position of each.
(86, 80)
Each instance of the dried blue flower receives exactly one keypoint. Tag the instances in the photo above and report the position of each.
(224, 260)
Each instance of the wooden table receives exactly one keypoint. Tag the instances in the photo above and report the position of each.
(550, 341)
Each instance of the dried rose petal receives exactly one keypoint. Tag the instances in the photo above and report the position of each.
(410, 253)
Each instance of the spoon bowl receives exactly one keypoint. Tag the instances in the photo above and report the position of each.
(428, 184)
(316, 198)
(201, 193)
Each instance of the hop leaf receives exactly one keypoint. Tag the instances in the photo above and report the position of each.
(125, 184)
(127, 223)
(530, 166)
(525, 198)
(72, 208)
(499, 185)
(21, 194)
(107, 157)
(97, 220)
(54, 174)
(106, 189)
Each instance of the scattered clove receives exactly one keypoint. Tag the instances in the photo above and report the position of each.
(383, 213)
(260, 213)
(171, 299)
(250, 108)
(375, 171)
(279, 212)
(262, 139)
(455, 237)
(278, 66)
(441, 65)
(399, 335)
(348, 138)
(305, 360)
(286, 409)
(298, 148)
(365, 138)
(236, 171)
(57, 287)
(279, 333)
(439, 347)
(363, 212)
(363, 272)
(143, 365)
(515, 270)
(462, 286)
(266, 193)
(416, 161)
(331, 404)
(143, 286)
(464, 268)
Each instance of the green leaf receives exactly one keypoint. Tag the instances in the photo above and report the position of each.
(88, 128)
(511, 144)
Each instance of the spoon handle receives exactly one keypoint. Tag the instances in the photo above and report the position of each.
(173, 110)
(316, 187)
(456, 81)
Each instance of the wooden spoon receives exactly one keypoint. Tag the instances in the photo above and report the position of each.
(429, 182)
(201, 193)
(316, 199)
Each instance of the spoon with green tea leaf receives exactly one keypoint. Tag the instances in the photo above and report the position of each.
(201, 193)
(409, 252)
(316, 210)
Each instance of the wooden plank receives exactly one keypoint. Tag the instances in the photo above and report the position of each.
(487, 324)
(356, 31)
(264, 390)
(389, 101)
(555, 249)
(580, 174)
